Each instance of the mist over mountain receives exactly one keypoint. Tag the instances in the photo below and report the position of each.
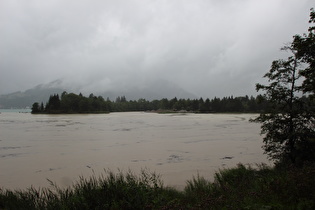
(149, 90)
(23, 99)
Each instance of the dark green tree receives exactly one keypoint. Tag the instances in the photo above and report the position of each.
(42, 108)
(172, 103)
(53, 103)
(35, 108)
(83, 105)
(164, 104)
(305, 46)
(287, 123)
(215, 104)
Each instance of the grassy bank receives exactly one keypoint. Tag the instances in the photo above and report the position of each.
(241, 187)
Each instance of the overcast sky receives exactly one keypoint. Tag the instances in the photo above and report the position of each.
(207, 47)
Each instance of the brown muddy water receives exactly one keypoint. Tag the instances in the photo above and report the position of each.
(61, 148)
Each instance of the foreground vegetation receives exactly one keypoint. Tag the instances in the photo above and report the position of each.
(242, 187)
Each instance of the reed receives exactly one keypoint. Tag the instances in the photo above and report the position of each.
(241, 187)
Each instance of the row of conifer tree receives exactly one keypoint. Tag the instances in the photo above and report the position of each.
(73, 103)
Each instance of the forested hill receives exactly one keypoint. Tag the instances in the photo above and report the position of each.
(73, 103)
(150, 90)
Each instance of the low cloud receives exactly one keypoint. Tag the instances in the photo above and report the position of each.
(209, 48)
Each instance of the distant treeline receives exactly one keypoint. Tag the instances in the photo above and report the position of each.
(73, 103)
(226, 104)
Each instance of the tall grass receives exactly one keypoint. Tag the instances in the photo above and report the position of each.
(242, 187)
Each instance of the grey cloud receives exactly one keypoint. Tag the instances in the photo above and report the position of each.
(210, 48)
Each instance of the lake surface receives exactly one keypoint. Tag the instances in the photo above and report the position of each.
(34, 148)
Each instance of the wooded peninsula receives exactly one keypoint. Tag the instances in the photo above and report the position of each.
(69, 103)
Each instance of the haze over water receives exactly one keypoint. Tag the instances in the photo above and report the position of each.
(34, 148)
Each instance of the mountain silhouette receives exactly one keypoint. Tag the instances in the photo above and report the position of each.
(152, 90)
